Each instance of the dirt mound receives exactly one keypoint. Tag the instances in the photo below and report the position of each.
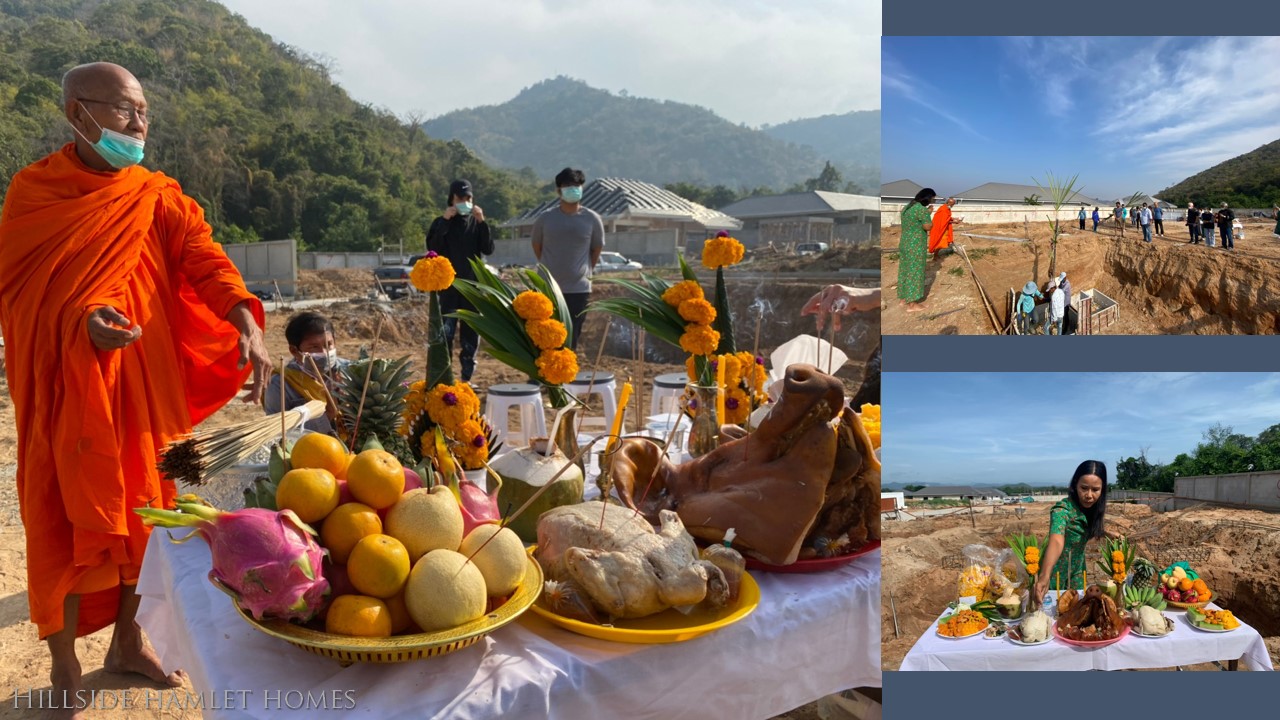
(335, 283)
(836, 258)
(1165, 287)
(1237, 551)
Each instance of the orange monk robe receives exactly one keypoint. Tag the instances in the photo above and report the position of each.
(940, 235)
(90, 423)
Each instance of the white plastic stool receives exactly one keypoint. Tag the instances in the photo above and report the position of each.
(526, 397)
(667, 390)
(606, 386)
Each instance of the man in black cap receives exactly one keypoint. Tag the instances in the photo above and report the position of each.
(460, 234)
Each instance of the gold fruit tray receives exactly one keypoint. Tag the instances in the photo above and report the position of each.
(399, 648)
(1198, 605)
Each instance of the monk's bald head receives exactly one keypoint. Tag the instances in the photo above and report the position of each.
(99, 81)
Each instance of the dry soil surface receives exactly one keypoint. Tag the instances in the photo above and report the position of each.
(1236, 551)
(26, 664)
(1167, 287)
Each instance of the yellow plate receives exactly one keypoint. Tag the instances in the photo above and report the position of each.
(668, 626)
(400, 648)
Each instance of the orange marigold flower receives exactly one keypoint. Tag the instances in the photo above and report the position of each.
(722, 251)
(472, 447)
(732, 370)
(699, 339)
(451, 405)
(681, 291)
(533, 305)
(737, 407)
(546, 334)
(432, 273)
(697, 310)
(557, 367)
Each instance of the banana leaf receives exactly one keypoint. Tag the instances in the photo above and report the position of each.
(724, 319)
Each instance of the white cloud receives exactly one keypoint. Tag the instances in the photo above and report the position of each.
(752, 62)
(894, 78)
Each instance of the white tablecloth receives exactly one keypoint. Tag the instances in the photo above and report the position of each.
(811, 636)
(1184, 646)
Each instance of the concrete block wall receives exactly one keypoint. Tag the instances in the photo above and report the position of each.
(984, 214)
(1260, 490)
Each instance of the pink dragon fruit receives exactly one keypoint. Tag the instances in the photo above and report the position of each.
(478, 507)
(269, 559)
(1175, 596)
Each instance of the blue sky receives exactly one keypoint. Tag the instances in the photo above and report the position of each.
(1128, 114)
(963, 428)
(750, 61)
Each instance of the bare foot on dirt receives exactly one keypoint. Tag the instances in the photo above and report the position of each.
(142, 661)
(915, 307)
(66, 683)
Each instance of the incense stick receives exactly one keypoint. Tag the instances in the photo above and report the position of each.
(201, 455)
(640, 382)
(368, 375)
(325, 386)
(284, 432)
(831, 348)
(755, 352)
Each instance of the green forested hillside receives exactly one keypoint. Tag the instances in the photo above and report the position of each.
(254, 130)
(1251, 180)
(561, 122)
(851, 141)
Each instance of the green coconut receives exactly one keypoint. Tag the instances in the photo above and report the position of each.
(526, 471)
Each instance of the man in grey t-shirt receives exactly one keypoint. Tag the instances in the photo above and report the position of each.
(567, 239)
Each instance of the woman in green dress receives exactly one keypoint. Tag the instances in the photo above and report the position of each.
(914, 249)
(1072, 523)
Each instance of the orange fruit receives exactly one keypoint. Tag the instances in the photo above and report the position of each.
(400, 619)
(346, 526)
(358, 615)
(311, 493)
(378, 566)
(376, 478)
(317, 450)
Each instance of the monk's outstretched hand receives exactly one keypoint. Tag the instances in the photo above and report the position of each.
(110, 330)
(838, 300)
(253, 349)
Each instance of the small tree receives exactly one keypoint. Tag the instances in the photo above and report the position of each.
(1058, 192)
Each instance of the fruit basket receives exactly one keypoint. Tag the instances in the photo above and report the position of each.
(1197, 605)
(399, 648)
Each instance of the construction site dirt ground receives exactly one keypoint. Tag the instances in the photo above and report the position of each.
(1236, 551)
(26, 660)
(1166, 287)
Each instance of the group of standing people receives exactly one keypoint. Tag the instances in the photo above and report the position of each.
(1201, 223)
(1058, 293)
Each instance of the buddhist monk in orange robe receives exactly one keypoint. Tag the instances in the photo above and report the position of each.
(124, 326)
(941, 234)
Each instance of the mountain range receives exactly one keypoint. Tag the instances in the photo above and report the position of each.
(565, 122)
(1251, 180)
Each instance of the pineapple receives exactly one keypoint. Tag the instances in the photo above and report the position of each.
(383, 404)
(1145, 573)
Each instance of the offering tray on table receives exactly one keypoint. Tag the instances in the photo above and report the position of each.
(399, 648)
(813, 565)
(1090, 643)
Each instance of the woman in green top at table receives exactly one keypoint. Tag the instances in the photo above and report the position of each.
(1072, 523)
(913, 249)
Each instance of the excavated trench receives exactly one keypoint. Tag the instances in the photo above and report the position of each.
(1190, 290)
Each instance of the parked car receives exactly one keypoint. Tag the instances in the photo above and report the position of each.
(615, 262)
(812, 248)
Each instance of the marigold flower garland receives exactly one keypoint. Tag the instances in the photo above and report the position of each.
(556, 364)
(438, 401)
(745, 377)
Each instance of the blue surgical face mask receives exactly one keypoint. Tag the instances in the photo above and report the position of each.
(119, 150)
(571, 194)
(463, 208)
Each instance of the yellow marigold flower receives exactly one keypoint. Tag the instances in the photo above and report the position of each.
(732, 370)
(699, 339)
(432, 273)
(870, 412)
(759, 375)
(691, 368)
(451, 405)
(1033, 568)
(1033, 554)
(697, 310)
(737, 407)
(557, 367)
(722, 251)
(472, 447)
(1117, 556)
(1119, 577)
(681, 291)
(546, 334)
(532, 305)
